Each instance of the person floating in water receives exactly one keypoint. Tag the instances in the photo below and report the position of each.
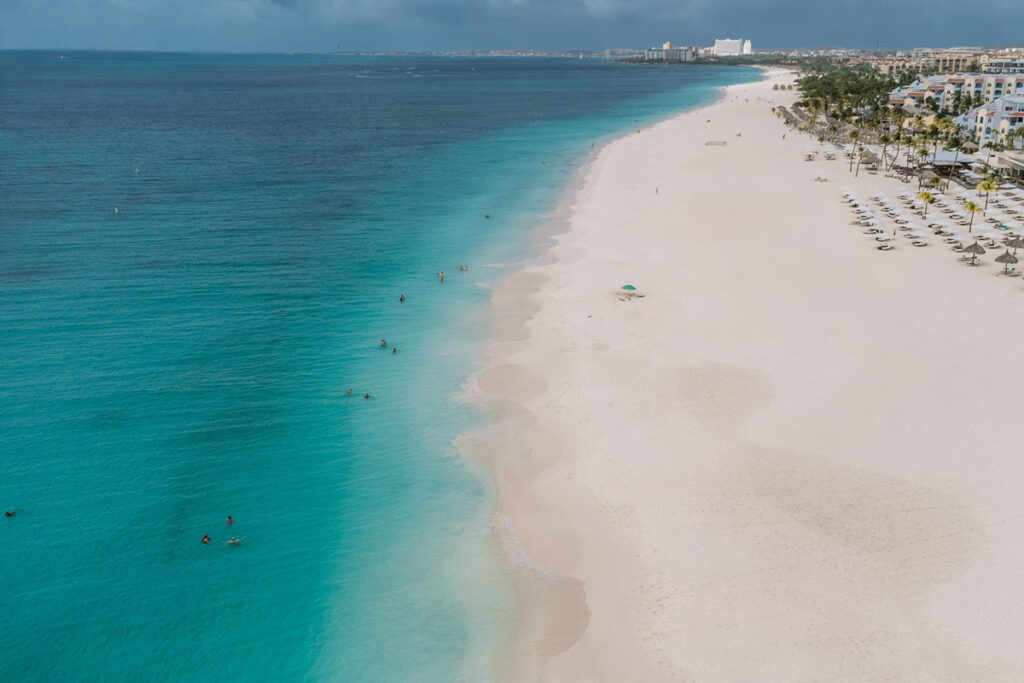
(350, 391)
(394, 350)
(366, 395)
(10, 513)
(229, 521)
(234, 541)
(206, 539)
(383, 343)
(441, 275)
(401, 299)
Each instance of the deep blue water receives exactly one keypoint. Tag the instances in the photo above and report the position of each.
(186, 357)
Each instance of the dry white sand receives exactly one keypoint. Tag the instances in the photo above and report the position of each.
(797, 458)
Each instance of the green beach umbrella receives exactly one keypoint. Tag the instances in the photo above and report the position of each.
(629, 288)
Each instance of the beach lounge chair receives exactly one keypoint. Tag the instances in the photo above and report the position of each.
(884, 247)
(919, 243)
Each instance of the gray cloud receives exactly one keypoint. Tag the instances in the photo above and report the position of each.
(469, 24)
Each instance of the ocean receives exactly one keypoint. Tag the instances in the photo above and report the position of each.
(199, 256)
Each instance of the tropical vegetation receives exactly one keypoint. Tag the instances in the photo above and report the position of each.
(851, 105)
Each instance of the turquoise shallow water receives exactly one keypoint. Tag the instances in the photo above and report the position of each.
(186, 358)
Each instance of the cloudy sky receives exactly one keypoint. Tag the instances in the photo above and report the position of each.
(317, 25)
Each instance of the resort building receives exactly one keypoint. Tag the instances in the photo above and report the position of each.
(1012, 162)
(670, 53)
(728, 47)
(946, 60)
(889, 66)
(950, 90)
(992, 122)
(1004, 65)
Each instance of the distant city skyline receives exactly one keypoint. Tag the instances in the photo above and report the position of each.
(441, 25)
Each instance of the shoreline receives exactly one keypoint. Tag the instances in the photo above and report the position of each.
(551, 607)
(792, 447)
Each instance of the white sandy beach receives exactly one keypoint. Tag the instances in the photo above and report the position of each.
(797, 458)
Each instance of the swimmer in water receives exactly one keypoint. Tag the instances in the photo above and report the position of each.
(383, 343)
(229, 521)
(394, 350)
(234, 541)
(366, 395)
(10, 513)
(401, 299)
(350, 391)
(206, 539)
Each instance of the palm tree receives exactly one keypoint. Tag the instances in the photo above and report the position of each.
(933, 134)
(859, 151)
(987, 186)
(973, 209)
(992, 146)
(922, 156)
(1012, 136)
(900, 139)
(884, 140)
(927, 198)
(953, 143)
(853, 135)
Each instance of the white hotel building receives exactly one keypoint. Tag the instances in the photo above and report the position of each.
(943, 89)
(991, 122)
(732, 47)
